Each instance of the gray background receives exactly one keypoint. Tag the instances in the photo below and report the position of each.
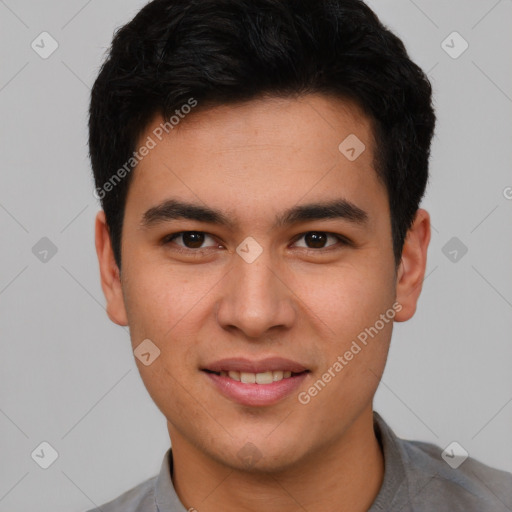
(67, 374)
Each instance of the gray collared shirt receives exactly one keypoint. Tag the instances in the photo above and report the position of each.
(416, 479)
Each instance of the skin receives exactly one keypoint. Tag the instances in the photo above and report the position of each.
(252, 161)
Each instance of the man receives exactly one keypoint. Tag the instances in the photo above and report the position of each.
(260, 166)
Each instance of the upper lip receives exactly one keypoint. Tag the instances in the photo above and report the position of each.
(240, 364)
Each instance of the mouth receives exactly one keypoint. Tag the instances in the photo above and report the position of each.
(256, 383)
(266, 377)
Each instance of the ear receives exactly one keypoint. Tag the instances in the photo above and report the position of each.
(411, 270)
(109, 272)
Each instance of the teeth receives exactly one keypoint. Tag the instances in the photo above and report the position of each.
(277, 375)
(234, 375)
(257, 378)
(264, 378)
(248, 378)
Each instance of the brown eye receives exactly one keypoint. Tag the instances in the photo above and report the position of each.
(190, 239)
(193, 239)
(315, 240)
(318, 239)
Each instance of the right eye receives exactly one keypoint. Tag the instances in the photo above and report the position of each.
(191, 240)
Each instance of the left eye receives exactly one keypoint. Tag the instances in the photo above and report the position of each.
(318, 239)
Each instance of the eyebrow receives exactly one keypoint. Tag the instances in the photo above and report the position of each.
(172, 209)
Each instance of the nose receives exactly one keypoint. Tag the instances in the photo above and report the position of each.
(256, 298)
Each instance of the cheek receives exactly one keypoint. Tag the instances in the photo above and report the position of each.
(166, 306)
(169, 387)
(350, 304)
(347, 300)
(160, 298)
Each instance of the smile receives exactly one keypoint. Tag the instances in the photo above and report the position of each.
(255, 383)
(257, 378)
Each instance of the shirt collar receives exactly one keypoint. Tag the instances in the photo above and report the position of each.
(395, 478)
(166, 498)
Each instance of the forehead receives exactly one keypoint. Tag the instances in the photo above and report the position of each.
(312, 121)
(262, 154)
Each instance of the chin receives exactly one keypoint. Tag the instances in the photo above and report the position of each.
(261, 457)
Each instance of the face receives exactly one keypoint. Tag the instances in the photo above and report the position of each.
(252, 244)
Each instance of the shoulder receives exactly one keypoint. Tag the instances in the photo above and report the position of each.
(139, 498)
(418, 478)
(472, 486)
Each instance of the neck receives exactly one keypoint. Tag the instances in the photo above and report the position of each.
(343, 476)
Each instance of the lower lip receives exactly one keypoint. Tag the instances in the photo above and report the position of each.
(256, 394)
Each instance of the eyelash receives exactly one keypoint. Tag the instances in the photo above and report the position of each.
(340, 238)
